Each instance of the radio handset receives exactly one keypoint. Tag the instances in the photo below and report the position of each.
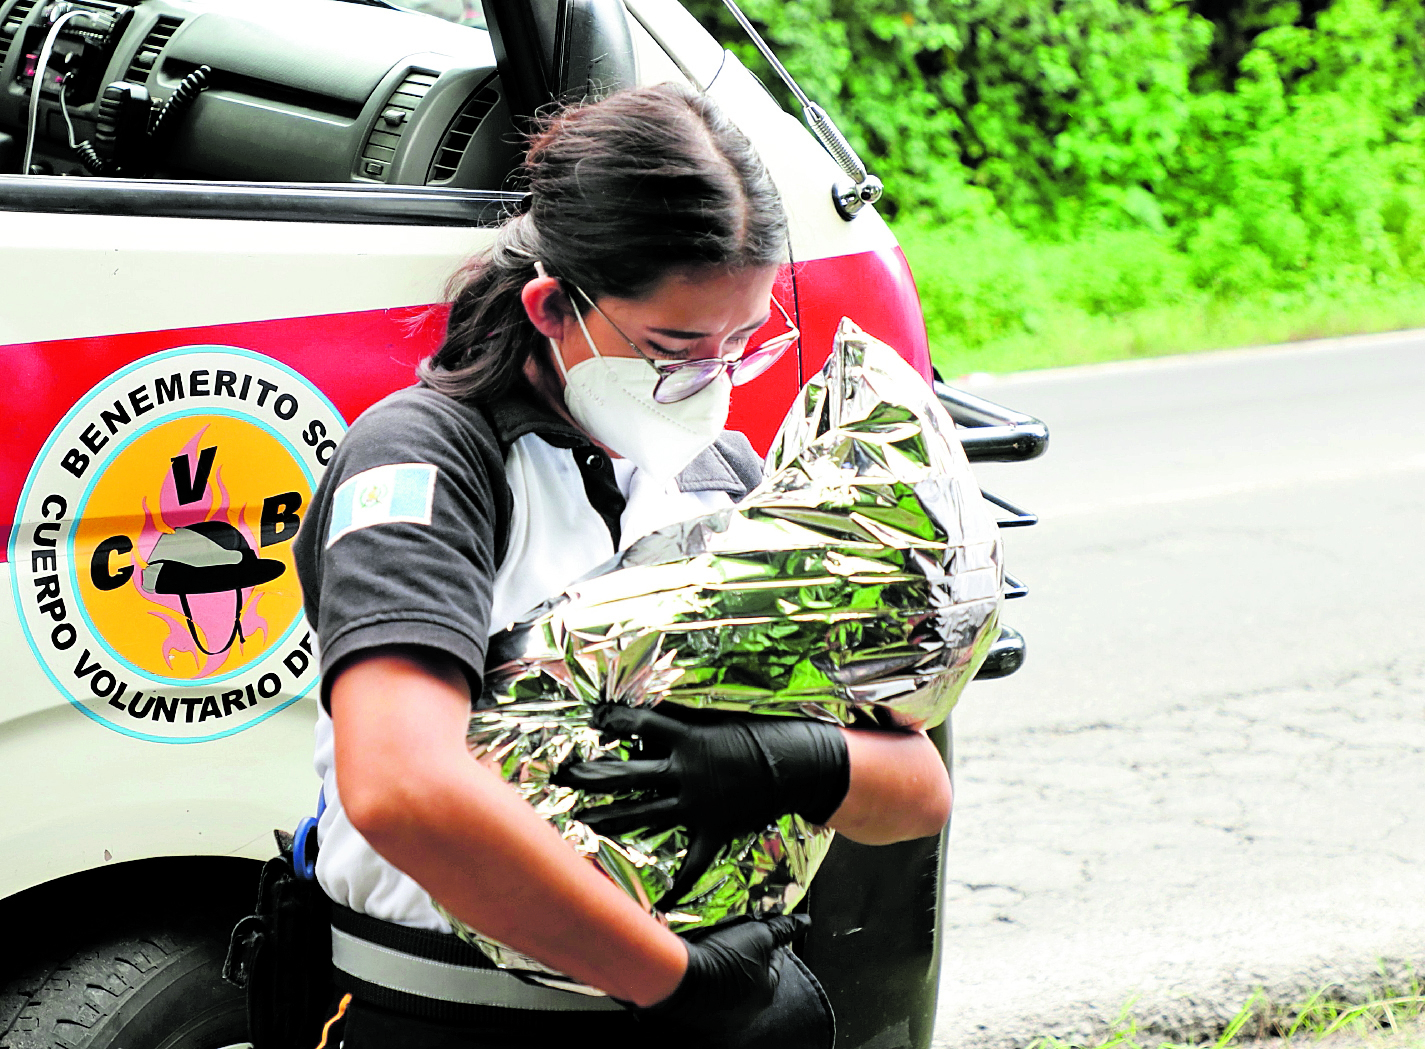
(129, 131)
(121, 125)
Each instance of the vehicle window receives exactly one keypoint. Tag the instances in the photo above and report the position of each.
(260, 91)
(461, 12)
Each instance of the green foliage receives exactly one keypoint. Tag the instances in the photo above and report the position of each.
(1326, 1013)
(997, 302)
(1093, 158)
(990, 280)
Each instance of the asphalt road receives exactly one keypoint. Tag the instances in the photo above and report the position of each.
(1209, 774)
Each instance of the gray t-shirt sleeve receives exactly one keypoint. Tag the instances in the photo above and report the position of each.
(401, 544)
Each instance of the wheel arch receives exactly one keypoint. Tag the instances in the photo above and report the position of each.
(47, 919)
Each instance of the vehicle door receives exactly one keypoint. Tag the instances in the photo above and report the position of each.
(183, 352)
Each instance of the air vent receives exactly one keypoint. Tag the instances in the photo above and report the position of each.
(11, 26)
(146, 57)
(462, 129)
(381, 145)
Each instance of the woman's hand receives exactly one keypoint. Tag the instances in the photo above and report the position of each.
(736, 775)
(720, 780)
(410, 786)
(733, 972)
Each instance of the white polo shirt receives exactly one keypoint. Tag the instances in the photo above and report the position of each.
(401, 547)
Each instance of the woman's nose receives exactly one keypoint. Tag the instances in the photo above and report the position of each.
(725, 348)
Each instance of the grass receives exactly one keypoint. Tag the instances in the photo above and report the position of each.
(1322, 1018)
(1071, 337)
(1395, 1020)
(996, 302)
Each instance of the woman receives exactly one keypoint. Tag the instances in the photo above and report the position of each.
(577, 402)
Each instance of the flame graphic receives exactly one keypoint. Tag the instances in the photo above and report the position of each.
(212, 613)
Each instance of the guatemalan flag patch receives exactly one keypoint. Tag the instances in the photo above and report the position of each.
(400, 492)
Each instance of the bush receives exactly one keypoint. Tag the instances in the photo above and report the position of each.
(1090, 159)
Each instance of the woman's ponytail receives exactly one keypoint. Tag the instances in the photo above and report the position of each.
(487, 316)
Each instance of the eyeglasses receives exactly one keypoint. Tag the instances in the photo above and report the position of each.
(679, 380)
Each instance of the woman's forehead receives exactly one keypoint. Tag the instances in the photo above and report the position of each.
(704, 301)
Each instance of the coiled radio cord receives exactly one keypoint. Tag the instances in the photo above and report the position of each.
(162, 123)
(178, 103)
(93, 162)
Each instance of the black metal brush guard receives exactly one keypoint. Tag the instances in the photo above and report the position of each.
(875, 935)
(996, 434)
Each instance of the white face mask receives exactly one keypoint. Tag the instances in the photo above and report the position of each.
(611, 398)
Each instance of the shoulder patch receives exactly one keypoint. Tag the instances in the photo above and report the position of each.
(400, 492)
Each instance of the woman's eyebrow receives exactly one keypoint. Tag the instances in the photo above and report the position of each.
(679, 333)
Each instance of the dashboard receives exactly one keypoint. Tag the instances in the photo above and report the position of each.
(294, 91)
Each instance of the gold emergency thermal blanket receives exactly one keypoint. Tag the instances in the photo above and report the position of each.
(860, 584)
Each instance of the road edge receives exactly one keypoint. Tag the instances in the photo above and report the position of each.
(1338, 344)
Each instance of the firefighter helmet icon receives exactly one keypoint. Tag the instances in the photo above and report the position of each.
(208, 557)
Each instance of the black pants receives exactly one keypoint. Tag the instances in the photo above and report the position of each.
(798, 1018)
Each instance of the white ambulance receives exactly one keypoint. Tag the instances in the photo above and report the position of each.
(192, 308)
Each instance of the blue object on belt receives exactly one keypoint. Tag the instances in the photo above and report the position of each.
(304, 841)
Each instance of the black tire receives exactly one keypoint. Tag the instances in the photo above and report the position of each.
(138, 991)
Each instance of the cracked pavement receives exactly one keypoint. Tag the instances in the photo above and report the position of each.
(1208, 776)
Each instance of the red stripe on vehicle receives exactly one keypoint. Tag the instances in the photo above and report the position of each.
(354, 358)
(875, 289)
(358, 358)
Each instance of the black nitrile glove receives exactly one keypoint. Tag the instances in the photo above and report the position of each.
(733, 971)
(720, 780)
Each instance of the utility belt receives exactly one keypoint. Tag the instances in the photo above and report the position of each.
(436, 976)
(299, 953)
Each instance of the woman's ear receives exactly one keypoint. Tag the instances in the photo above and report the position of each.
(546, 306)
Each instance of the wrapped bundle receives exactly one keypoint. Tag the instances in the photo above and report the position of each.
(859, 584)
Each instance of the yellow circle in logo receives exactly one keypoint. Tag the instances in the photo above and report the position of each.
(182, 554)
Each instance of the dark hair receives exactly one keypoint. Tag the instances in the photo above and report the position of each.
(623, 192)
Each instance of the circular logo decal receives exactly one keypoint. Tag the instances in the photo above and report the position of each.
(152, 551)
